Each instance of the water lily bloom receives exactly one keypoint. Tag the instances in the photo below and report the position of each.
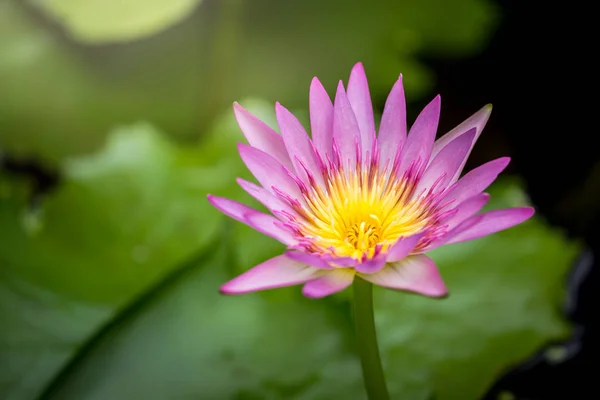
(350, 201)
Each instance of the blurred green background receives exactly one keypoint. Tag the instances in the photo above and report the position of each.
(115, 122)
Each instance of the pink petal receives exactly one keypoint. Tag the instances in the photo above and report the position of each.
(403, 247)
(467, 209)
(445, 165)
(392, 130)
(277, 272)
(263, 223)
(269, 172)
(477, 121)
(321, 119)
(346, 134)
(310, 259)
(488, 223)
(345, 262)
(298, 145)
(360, 100)
(269, 200)
(373, 265)
(476, 181)
(462, 212)
(262, 137)
(421, 136)
(417, 274)
(330, 283)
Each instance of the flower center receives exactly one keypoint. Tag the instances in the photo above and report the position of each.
(360, 214)
(363, 236)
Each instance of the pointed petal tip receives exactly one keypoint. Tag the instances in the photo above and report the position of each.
(239, 111)
(315, 82)
(358, 68)
(504, 161)
(528, 212)
(212, 199)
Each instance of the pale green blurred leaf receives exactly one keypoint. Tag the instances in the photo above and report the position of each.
(61, 97)
(115, 20)
(191, 342)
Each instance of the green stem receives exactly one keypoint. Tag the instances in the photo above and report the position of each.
(366, 339)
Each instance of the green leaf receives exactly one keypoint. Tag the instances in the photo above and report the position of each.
(505, 291)
(115, 21)
(119, 222)
(189, 341)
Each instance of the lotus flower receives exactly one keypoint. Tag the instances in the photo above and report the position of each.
(353, 202)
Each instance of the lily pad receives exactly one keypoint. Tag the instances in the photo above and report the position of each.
(115, 21)
(192, 342)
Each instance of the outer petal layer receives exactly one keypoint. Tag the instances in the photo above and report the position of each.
(346, 133)
(331, 282)
(392, 130)
(488, 223)
(417, 274)
(263, 223)
(476, 181)
(447, 163)
(269, 172)
(321, 119)
(477, 121)
(298, 145)
(262, 137)
(360, 100)
(421, 136)
(277, 272)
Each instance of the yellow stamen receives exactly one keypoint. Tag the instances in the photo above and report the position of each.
(356, 212)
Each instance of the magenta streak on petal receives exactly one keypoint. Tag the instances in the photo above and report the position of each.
(346, 134)
(269, 172)
(417, 274)
(321, 119)
(452, 218)
(331, 282)
(446, 163)
(260, 136)
(298, 145)
(477, 121)
(488, 223)
(277, 272)
(403, 247)
(360, 100)
(392, 130)
(422, 135)
(263, 223)
(313, 260)
(476, 181)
